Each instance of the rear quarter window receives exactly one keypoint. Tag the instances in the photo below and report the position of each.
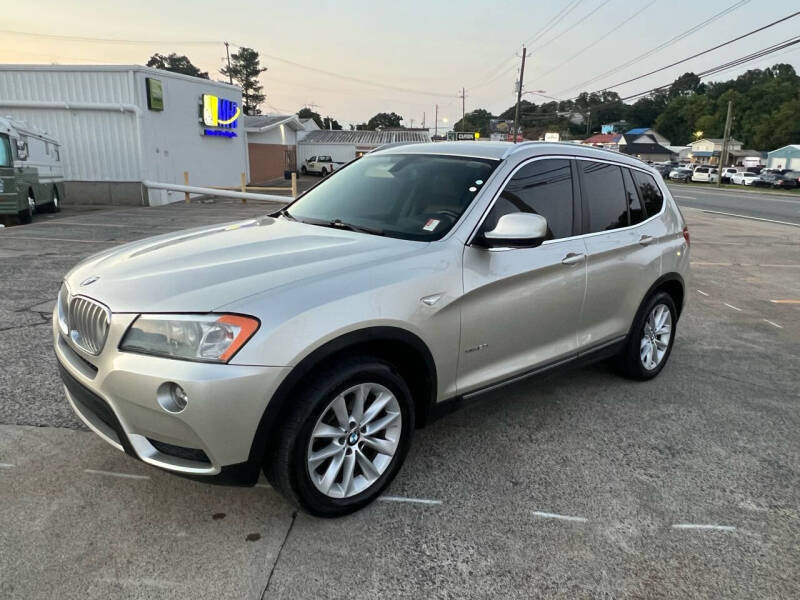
(649, 192)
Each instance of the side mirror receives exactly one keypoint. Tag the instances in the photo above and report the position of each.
(521, 230)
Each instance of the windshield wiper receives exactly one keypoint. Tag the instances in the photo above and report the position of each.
(284, 212)
(338, 223)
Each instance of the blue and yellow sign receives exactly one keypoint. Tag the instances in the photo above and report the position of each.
(220, 114)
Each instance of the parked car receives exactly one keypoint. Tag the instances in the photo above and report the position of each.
(727, 173)
(683, 175)
(31, 172)
(746, 178)
(705, 175)
(319, 165)
(781, 180)
(311, 342)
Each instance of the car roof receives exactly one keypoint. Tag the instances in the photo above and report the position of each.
(503, 150)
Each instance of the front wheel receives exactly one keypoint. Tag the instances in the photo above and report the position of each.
(344, 439)
(26, 215)
(303, 170)
(650, 340)
(324, 172)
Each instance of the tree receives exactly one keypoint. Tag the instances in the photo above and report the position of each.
(330, 123)
(177, 63)
(477, 120)
(307, 113)
(684, 85)
(245, 69)
(384, 121)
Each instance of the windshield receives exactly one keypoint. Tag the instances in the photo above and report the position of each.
(408, 196)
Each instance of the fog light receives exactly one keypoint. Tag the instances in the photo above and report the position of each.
(172, 397)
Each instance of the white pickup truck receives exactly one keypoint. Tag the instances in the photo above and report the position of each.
(319, 165)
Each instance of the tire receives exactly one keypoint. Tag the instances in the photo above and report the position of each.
(290, 467)
(630, 361)
(55, 205)
(26, 215)
(303, 170)
(324, 172)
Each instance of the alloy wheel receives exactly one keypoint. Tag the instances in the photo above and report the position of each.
(354, 440)
(31, 204)
(655, 337)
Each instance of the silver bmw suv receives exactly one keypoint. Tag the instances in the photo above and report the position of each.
(310, 343)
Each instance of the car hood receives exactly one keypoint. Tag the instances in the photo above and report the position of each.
(200, 270)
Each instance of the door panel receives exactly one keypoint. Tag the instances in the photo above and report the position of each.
(622, 262)
(521, 308)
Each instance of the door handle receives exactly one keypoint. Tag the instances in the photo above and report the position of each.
(573, 258)
(646, 240)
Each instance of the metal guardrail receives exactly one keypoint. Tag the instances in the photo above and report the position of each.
(191, 189)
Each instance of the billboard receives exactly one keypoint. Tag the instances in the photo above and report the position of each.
(552, 137)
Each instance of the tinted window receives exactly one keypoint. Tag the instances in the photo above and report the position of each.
(649, 193)
(635, 212)
(408, 196)
(604, 196)
(5, 151)
(543, 187)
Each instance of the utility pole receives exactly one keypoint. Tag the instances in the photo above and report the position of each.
(463, 123)
(723, 156)
(519, 93)
(423, 119)
(228, 55)
(436, 122)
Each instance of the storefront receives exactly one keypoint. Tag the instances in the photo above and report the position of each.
(120, 126)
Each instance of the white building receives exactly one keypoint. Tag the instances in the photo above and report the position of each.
(122, 125)
(344, 146)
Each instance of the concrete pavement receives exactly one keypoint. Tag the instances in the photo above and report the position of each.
(578, 485)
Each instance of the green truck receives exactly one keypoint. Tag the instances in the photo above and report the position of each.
(31, 171)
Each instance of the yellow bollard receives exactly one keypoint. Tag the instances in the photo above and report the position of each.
(186, 182)
(244, 187)
(294, 184)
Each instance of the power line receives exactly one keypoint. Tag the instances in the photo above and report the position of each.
(600, 39)
(661, 46)
(555, 20)
(573, 26)
(730, 64)
(108, 40)
(717, 47)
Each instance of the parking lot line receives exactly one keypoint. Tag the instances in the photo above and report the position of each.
(112, 474)
(409, 500)
(702, 292)
(774, 324)
(785, 301)
(547, 515)
(49, 239)
(727, 214)
(6, 466)
(732, 306)
(704, 527)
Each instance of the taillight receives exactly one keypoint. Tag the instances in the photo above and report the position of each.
(686, 235)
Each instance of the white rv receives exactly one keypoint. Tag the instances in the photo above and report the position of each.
(31, 171)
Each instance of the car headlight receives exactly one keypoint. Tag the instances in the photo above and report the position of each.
(62, 308)
(205, 338)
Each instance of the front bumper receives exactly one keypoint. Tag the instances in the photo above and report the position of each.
(115, 394)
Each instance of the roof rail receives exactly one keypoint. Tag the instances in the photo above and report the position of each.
(516, 147)
(520, 145)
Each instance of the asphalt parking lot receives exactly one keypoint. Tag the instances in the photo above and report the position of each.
(580, 485)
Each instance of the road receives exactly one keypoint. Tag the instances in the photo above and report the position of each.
(751, 203)
(580, 485)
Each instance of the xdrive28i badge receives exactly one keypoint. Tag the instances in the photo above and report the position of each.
(90, 280)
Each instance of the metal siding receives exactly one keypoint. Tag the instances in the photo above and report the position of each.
(95, 145)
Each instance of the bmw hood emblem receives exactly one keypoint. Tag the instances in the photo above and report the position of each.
(90, 280)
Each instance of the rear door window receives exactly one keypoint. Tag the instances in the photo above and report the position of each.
(649, 192)
(604, 195)
(635, 211)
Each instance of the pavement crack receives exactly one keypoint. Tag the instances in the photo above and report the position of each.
(25, 326)
(278, 557)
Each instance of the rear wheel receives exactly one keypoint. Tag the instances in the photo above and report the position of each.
(344, 439)
(324, 172)
(650, 341)
(303, 170)
(55, 205)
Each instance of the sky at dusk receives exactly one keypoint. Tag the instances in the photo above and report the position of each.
(353, 59)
